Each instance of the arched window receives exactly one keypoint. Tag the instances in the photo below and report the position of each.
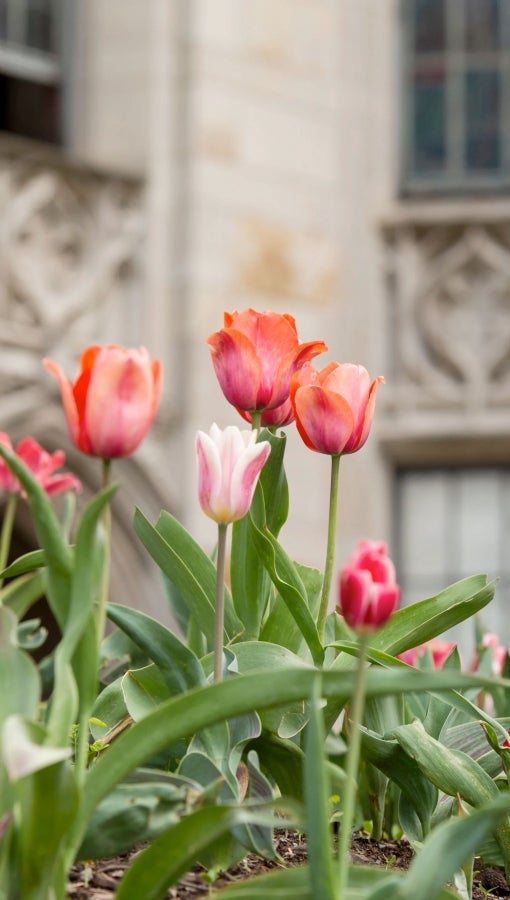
(456, 77)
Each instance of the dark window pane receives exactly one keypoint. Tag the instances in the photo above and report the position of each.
(429, 140)
(29, 109)
(483, 146)
(429, 25)
(40, 26)
(482, 24)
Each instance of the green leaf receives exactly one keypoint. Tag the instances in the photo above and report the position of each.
(187, 566)
(281, 627)
(21, 593)
(287, 581)
(18, 673)
(171, 855)
(317, 793)
(179, 667)
(413, 625)
(446, 850)
(249, 579)
(133, 813)
(144, 689)
(274, 482)
(36, 559)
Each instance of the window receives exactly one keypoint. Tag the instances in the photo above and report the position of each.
(456, 75)
(452, 523)
(30, 69)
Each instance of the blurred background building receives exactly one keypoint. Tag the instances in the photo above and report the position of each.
(346, 161)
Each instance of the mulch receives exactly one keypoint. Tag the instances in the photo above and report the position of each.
(98, 879)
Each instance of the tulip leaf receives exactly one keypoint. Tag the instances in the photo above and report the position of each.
(274, 482)
(179, 667)
(413, 625)
(249, 579)
(281, 626)
(187, 566)
(36, 559)
(317, 792)
(22, 592)
(287, 581)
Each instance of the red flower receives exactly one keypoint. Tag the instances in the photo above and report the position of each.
(255, 355)
(41, 464)
(439, 652)
(334, 408)
(112, 404)
(369, 593)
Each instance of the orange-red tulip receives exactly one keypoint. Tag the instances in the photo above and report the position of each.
(334, 408)
(254, 356)
(112, 404)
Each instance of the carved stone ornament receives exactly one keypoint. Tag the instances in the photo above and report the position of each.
(69, 258)
(449, 290)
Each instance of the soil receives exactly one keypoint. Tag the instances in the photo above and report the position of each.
(98, 879)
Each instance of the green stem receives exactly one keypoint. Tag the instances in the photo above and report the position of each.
(330, 550)
(7, 529)
(351, 773)
(256, 419)
(219, 613)
(105, 580)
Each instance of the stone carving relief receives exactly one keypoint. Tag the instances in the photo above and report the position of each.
(69, 268)
(449, 289)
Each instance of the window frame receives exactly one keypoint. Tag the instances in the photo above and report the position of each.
(456, 178)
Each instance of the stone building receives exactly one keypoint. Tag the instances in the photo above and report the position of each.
(347, 161)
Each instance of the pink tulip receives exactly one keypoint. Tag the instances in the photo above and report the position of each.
(273, 418)
(499, 653)
(254, 356)
(112, 404)
(334, 408)
(369, 593)
(439, 652)
(42, 466)
(229, 464)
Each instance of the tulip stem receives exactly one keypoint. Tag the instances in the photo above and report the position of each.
(256, 419)
(351, 773)
(219, 614)
(105, 575)
(330, 550)
(7, 529)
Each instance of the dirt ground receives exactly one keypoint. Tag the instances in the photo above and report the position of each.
(98, 880)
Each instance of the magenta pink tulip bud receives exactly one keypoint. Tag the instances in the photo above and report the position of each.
(229, 465)
(43, 466)
(112, 404)
(334, 408)
(369, 593)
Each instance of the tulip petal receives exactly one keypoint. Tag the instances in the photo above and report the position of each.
(324, 419)
(70, 406)
(244, 478)
(209, 472)
(237, 366)
(120, 401)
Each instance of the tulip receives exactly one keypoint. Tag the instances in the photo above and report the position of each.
(229, 464)
(272, 418)
(112, 404)
(334, 408)
(369, 593)
(254, 356)
(439, 651)
(41, 464)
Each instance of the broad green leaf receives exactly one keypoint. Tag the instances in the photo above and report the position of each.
(133, 813)
(109, 709)
(22, 592)
(179, 666)
(171, 855)
(295, 884)
(249, 579)
(189, 569)
(25, 564)
(289, 585)
(273, 482)
(281, 627)
(185, 714)
(18, 673)
(413, 625)
(446, 850)
(144, 689)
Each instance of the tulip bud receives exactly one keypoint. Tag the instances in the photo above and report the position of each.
(369, 593)
(229, 465)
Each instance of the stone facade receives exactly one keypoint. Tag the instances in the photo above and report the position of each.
(246, 154)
